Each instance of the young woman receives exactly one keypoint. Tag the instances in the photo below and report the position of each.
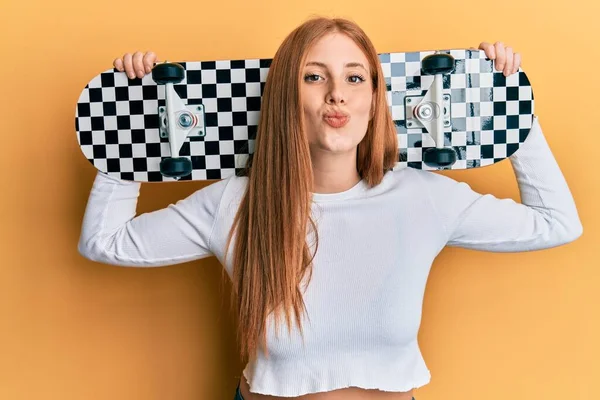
(321, 229)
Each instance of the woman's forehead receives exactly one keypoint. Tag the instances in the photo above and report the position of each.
(336, 49)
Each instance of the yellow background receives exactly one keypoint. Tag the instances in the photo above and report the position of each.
(495, 326)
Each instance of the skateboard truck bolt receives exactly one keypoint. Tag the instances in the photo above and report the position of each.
(427, 111)
(186, 120)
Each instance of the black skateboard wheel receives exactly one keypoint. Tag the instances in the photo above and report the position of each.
(437, 64)
(435, 157)
(167, 73)
(176, 167)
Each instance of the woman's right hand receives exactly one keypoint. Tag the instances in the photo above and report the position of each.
(137, 64)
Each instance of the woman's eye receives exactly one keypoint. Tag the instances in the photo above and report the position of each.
(359, 78)
(308, 77)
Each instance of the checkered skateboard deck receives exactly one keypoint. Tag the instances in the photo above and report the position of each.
(120, 122)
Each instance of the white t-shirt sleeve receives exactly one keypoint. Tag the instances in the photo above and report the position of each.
(545, 218)
(112, 233)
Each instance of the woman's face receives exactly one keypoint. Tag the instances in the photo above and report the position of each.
(337, 95)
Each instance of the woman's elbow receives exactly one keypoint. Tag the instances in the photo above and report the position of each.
(570, 232)
(575, 231)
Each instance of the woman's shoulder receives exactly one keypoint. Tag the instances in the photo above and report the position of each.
(416, 180)
(232, 188)
(422, 176)
(222, 191)
(404, 175)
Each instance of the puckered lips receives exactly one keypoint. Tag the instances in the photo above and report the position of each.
(336, 118)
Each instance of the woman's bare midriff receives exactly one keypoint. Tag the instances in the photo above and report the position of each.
(351, 393)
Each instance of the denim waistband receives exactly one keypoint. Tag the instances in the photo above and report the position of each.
(238, 393)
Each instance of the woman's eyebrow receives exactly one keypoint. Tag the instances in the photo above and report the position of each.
(348, 65)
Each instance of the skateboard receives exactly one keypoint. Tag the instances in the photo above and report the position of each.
(197, 120)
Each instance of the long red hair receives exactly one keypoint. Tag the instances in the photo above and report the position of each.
(271, 255)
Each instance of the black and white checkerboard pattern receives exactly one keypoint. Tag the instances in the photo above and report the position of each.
(118, 128)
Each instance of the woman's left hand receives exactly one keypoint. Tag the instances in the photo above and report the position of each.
(506, 59)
